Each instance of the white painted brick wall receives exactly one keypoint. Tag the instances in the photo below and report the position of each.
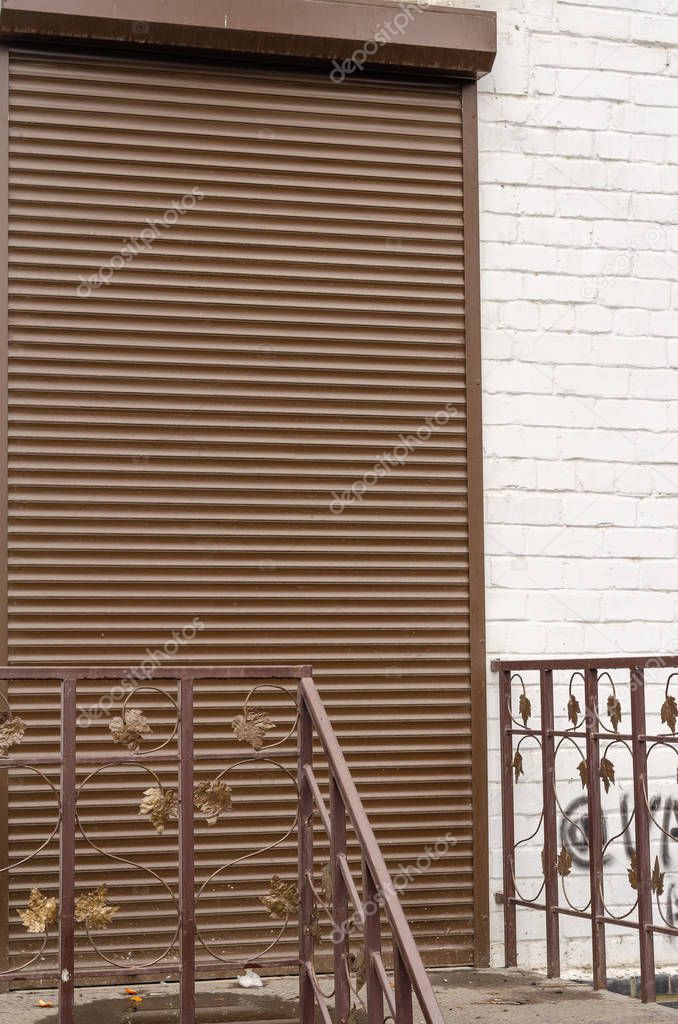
(579, 230)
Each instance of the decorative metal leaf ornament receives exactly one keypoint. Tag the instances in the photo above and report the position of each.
(160, 806)
(94, 911)
(525, 708)
(564, 862)
(130, 729)
(607, 773)
(252, 727)
(12, 731)
(518, 765)
(614, 711)
(583, 770)
(353, 1017)
(632, 871)
(657, 880)
(283, 898)
(40, 913)
(670, 712)
(212, 799)
(573, 710)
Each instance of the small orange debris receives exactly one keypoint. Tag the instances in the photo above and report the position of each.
(44, 1003)
(136, 999)
(131, 991)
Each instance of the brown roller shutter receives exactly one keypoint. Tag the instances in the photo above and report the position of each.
(177, 436)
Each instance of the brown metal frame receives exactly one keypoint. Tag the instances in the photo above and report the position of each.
(586, 727)
(476, 523)
(4, 361)
(439, 40)
(450, 41)
(379, 892)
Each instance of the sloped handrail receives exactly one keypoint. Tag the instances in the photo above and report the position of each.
(378, 889)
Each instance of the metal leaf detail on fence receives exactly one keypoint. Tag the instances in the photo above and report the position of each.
(614, 711)
(564, 862)
(130, 729)
(40, 913)
(160, 806)
(12, 731)
(607, 773)
(573, 710)
(657, 879)
(252, 726)
(525, 708)
(282, 899)
(212, 799)
(669, 712)
(583, 770)
(518, 765)
(94, 911)
(632, 871)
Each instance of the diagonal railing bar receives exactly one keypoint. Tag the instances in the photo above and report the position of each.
(378, 888)
(600, 728)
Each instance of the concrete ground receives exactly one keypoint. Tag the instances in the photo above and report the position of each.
(466, 997)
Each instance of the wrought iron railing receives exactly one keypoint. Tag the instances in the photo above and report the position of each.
(547, 708)
(378, 891)
(315, 906)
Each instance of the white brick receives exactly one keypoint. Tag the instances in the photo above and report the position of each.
(596, 382)
(585, 510)
(593, 319)
(597, 83)
(647, 59)
(613, 145)
(583, 21)
(574, 143)
(649, 295)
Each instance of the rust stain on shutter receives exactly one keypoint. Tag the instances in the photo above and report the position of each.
(176, 436)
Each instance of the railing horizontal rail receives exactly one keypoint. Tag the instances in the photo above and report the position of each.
(635, 661)
(158, 672)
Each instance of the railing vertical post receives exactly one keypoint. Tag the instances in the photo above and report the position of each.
(67, 853)
(372, 938)
(642, 820)
(403, 989)
(508, 823)
(305, 857)
(550, 825)
(342, 986)
(595, 829)
(186, 858)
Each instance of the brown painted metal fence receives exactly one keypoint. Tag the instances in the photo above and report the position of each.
(317, 906)
(591, 722)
